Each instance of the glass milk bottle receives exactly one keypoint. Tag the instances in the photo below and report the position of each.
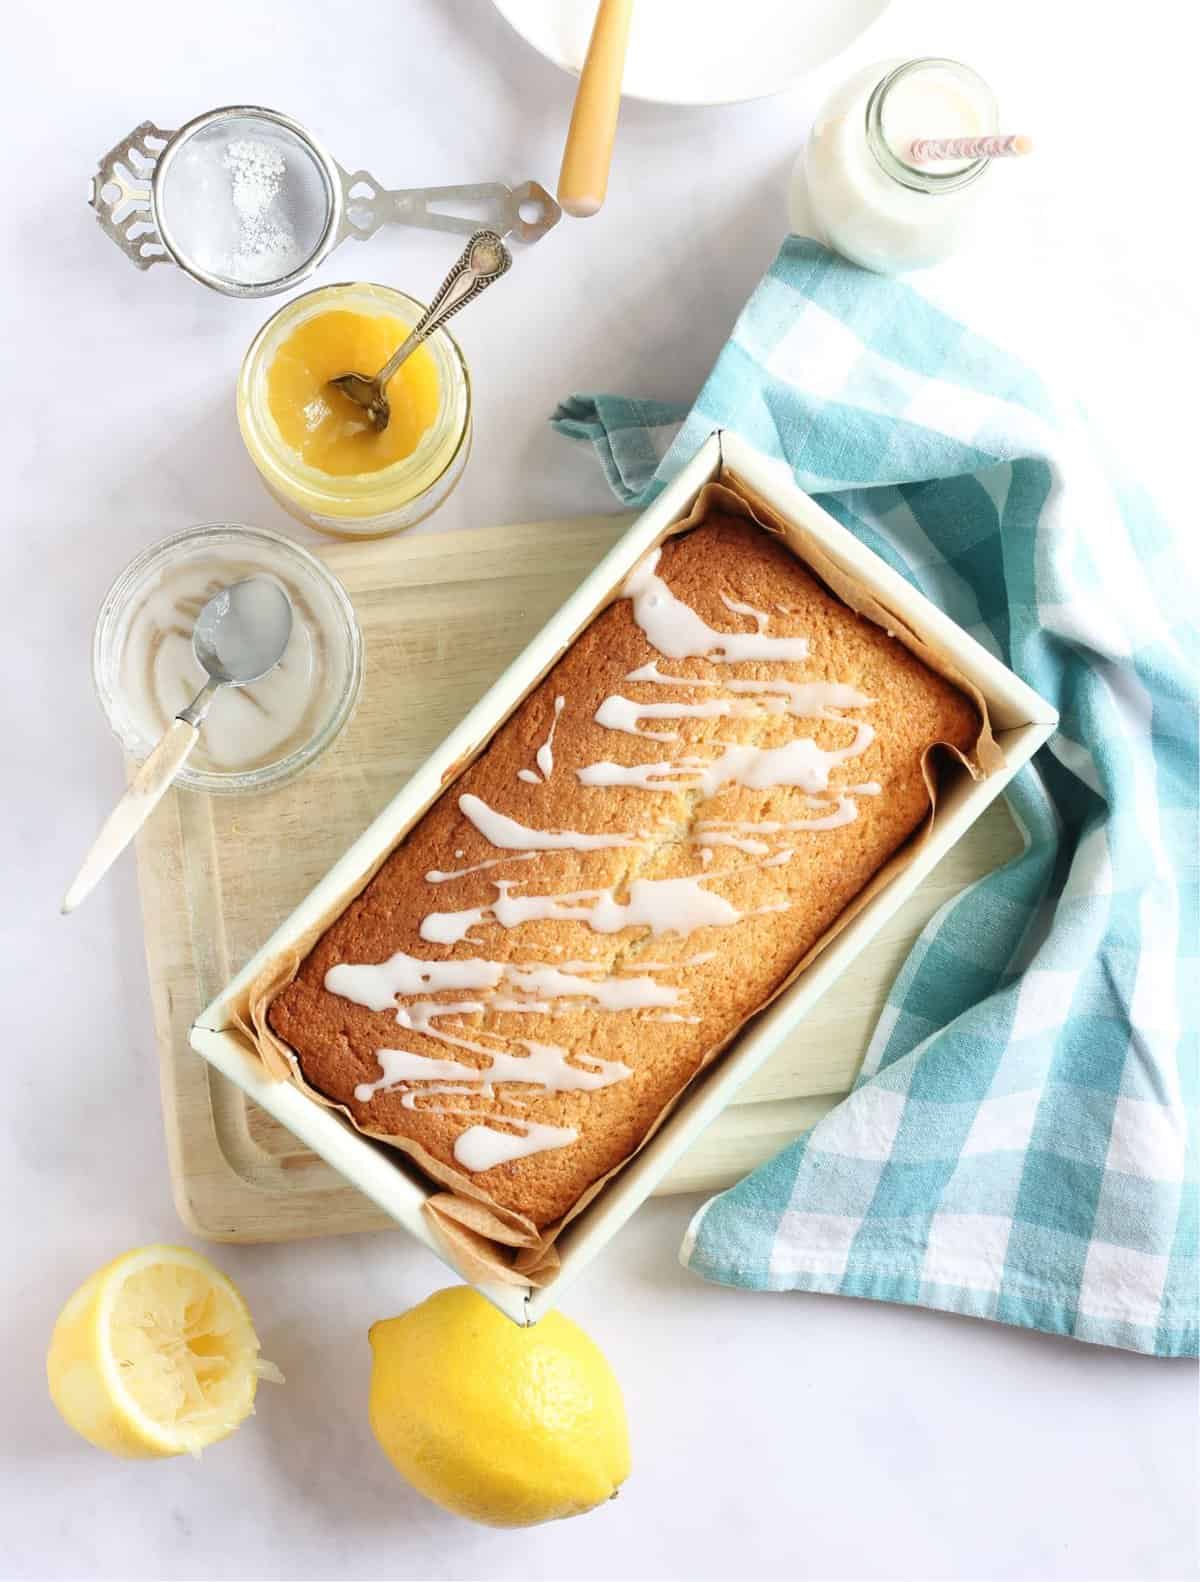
(868, 197)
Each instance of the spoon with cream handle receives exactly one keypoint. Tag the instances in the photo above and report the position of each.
(583, 179)
(240, 636)
(484, 259)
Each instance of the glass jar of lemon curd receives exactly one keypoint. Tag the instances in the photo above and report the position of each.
(316, 450)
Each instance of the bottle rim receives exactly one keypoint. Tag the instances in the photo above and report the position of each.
(917, 178)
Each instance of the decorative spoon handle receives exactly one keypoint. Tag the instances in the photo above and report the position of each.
(484, 259)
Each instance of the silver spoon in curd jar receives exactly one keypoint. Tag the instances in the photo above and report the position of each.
(484, 259)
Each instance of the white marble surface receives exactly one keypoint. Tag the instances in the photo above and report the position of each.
(774, 1436)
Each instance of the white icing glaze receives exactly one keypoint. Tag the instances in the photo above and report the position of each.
(551, 1064)
(545, 753)
(246, 726)
(483, 1090)
(419, 1017)
(807, 699)
(676, 630)
(544, 757)
(437, 876)
(509, 835)
(611, 993)
(532, 984)
(651, 672)
(664, 906)
(759, 617)
(799, 762)
(695, 960)
(622, 714)
(746, 843)
(543, 1066)
(377, 985)
(481, 1147)
(843, 811)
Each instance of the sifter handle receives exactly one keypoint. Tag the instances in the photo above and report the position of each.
(462, 210)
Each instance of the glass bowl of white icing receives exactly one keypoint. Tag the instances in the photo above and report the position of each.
(145, 671)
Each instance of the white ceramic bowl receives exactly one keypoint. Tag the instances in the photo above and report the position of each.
(702, 51)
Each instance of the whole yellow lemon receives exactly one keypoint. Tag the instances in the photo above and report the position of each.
(503, 1425)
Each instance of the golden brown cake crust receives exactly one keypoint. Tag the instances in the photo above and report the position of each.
(786, 905)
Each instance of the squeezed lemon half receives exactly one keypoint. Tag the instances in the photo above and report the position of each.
(155, 1355)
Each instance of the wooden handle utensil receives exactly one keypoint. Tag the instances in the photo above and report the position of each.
(145, 791)
(583, 179)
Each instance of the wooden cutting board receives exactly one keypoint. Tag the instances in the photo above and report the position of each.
(442, 615)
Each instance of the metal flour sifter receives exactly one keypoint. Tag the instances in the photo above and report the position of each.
(247, 201)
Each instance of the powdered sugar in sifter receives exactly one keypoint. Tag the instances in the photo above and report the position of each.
(247, 201)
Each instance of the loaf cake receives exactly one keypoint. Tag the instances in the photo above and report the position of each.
(650, 844)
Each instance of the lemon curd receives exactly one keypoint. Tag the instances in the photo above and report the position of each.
(316, 450)
(330, 431)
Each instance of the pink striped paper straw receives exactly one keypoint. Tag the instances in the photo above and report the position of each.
(926, 149)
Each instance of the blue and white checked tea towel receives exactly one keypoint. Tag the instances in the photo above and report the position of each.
(1020, 1144)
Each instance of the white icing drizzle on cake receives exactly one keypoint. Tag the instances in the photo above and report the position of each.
(543, 1065)
(759, 617)
(510, 835)
(618, 713)
(533, 987)
(544, 757)
(482, 1147)
(802, 699)
(438, 876)
(406, 984)
(743, 833)
(531, 984)
(679, 632)
(545, 753)
(799, 762)
(664, 906)
(811, 700)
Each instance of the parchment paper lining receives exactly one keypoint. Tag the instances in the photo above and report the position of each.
(490, 1242)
